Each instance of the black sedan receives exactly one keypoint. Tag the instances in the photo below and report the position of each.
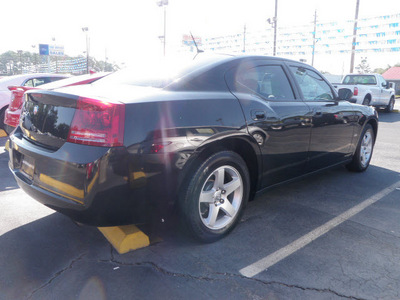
(202, 137)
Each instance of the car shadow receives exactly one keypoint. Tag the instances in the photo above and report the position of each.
(34, 254)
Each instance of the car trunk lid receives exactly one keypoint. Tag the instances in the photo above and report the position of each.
(46, 118)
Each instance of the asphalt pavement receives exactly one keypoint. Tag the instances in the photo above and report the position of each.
(329, 236)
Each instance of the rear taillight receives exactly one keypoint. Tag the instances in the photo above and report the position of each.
(355, 91)
(97, 123)
(16, 99)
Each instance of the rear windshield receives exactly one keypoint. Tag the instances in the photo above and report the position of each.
(159, 74)
(360, 79)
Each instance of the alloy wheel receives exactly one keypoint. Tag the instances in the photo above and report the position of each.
(366, 148)
(221, 197)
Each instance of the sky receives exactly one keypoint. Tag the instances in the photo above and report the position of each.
(128, 31)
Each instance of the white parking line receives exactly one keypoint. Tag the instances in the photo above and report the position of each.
(270, 260)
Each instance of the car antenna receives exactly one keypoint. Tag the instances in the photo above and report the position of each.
(198, 50)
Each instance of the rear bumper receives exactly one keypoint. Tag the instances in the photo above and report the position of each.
(89, 184)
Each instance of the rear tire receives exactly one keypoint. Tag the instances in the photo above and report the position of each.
(366, 101)
(362, 156)
(390, 106)
(214, 197)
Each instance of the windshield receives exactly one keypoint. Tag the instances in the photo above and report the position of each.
(161, 73)
(360, 79)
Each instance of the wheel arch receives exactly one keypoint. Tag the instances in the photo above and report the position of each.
(242, 145)
(374, 124)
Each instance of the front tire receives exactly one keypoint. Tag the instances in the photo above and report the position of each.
(363, 154)
(214, 197)
(390, 106)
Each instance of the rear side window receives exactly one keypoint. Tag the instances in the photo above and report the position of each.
(313, 86)
(360, 79)
(268, 81)
(34, 82)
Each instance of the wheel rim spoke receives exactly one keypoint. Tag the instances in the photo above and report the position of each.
(212, 215)
(219, 177)
(207, 196)
(231, 186)
(228, 209)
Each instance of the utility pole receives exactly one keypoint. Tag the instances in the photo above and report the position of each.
(353, 46)
(314, 34)
(244, 38)
(275, 25)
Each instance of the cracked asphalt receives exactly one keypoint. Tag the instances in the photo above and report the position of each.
(43, 255)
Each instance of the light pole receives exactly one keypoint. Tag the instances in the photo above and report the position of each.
(164, 3)
(54, 40)
(86, 30)
(34, 55)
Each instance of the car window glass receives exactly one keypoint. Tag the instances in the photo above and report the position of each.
(383, 81)
(268, 81)
(313, 86)
(29, 83)
(360, 79)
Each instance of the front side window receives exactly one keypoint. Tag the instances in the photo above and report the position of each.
(268, 81)
(383, 81)
(313, 86)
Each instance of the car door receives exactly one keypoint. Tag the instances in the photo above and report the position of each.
(332, 120)
(276, 117)
(384, 90)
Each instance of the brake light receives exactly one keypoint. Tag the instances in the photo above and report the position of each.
(16, 99)
(355, 91)
(97, 123)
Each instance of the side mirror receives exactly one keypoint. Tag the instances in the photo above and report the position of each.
(345, 94)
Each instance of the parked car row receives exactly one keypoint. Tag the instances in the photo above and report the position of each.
(12, 113)
(8, 84)
(203, 137)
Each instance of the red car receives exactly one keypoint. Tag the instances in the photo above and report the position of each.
(11, 118)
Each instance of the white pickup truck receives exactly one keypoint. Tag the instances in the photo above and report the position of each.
(369, 89)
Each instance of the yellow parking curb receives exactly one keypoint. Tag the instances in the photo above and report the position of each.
(125, 238)
(2, 133)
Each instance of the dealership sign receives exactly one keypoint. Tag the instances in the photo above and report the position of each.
(52, 50)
